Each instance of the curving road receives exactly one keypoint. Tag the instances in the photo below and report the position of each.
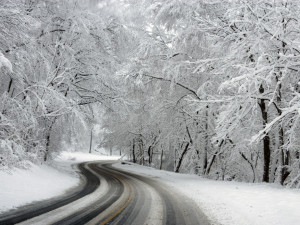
(111, 196)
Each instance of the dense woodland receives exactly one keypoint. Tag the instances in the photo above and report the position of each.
(199, 86)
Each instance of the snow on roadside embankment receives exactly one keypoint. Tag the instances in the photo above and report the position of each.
(37, 183)
(77, 157)
(20, 187)
(232, 203)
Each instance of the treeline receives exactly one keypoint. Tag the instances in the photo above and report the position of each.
(212, 88)
(56, 60)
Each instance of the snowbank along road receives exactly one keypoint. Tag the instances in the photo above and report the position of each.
(110, 196)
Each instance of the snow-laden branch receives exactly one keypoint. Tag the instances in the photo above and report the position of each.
(193, 92)
(263, 132)
(4, 62)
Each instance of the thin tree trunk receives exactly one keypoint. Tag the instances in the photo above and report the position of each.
(181, 158)
(47, 146)
(133, 152)
(251, 165)
(267, 157)
(211, 163)
(175, 156)
(206, 142)
(48, 137)
(161, 158)
(266, 139)
(281, 158)
(9, 85)
(284, 155)
(141, 152)
(207, 170)
(149, 154)
(91, 140)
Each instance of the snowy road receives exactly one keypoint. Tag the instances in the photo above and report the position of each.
(111, 196)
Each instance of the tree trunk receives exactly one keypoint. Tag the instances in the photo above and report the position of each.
(181, 158)
(284, 155)
(206, 142)
(91, 140)
(133, 152)
(141, 152)
(284, 160)
(266, 139)
(274, 166)
(250, 164)
(267, 157)
(161, 158)
(47, 146)
(9, 85)
(211, 163)
(149, 155)
(48, 136)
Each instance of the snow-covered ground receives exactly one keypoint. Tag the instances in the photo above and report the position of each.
(20, 187)
(76, 157)
(232, 202)
(37, 183)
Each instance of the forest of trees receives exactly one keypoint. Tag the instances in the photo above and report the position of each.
(199, 86)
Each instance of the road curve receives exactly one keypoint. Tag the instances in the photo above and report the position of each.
(111, 196)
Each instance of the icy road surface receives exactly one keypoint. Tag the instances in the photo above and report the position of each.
(111, 196)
